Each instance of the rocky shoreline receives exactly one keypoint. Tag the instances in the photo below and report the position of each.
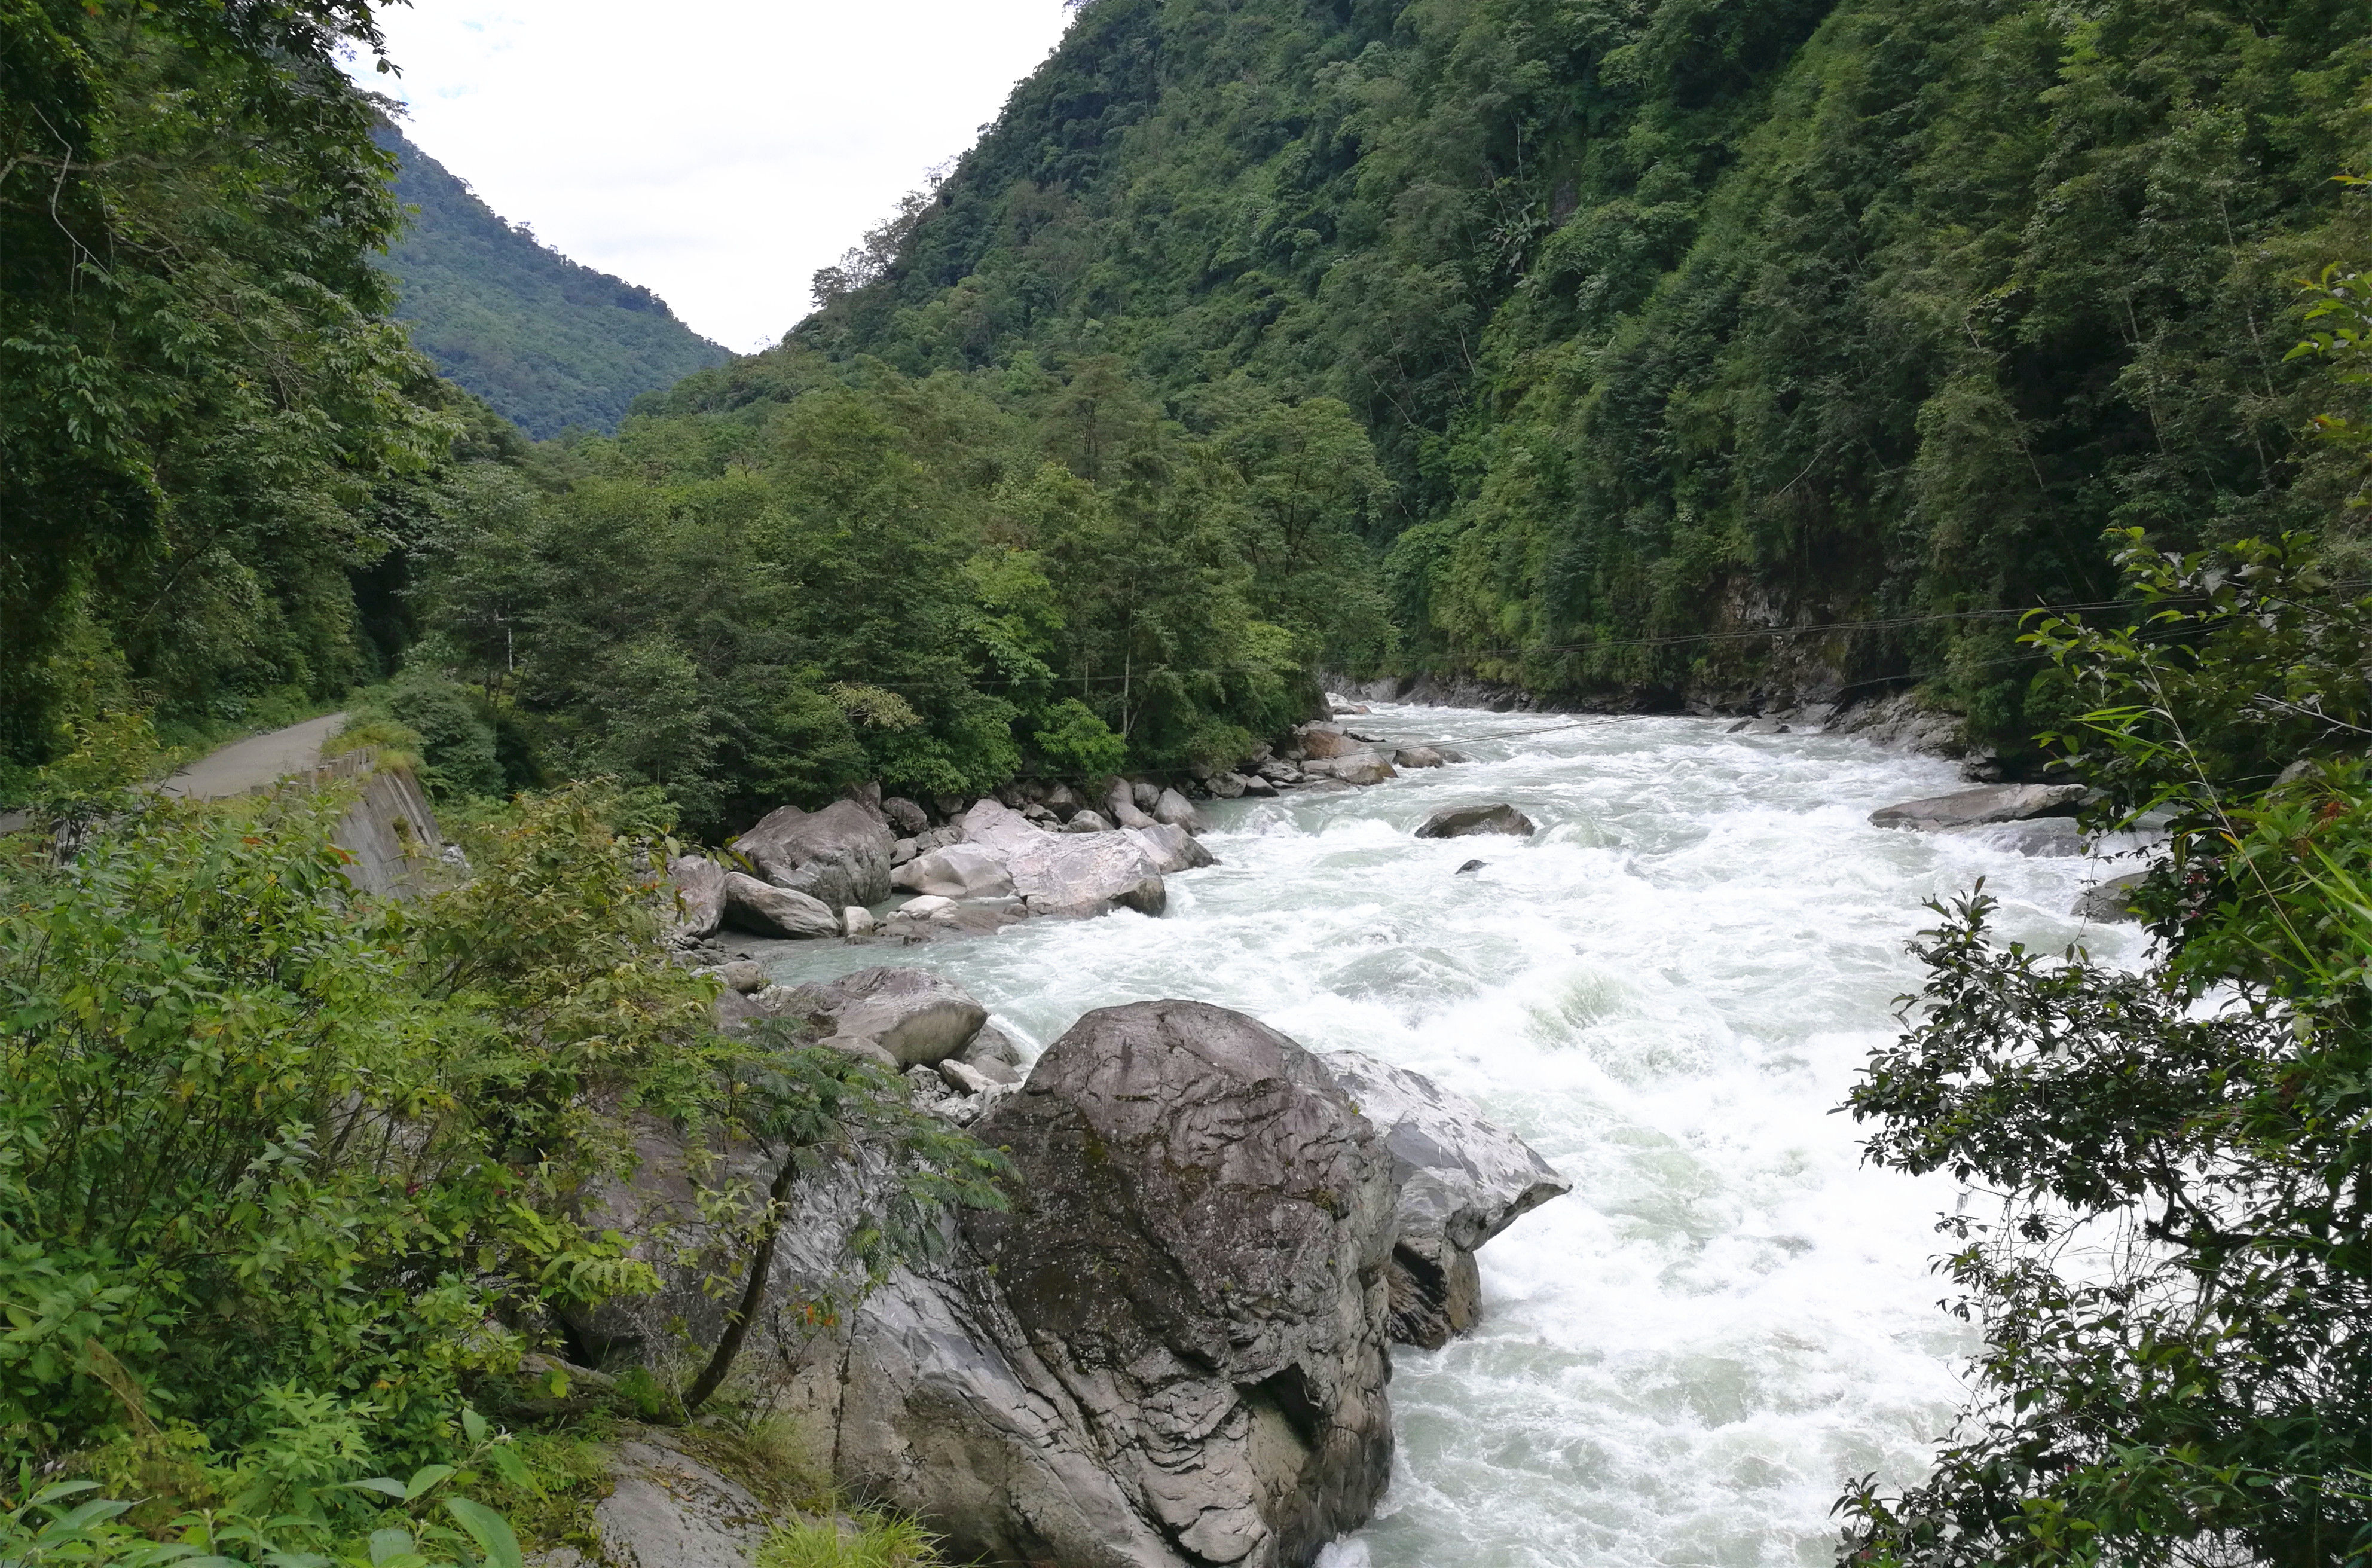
(1172, 1351)
(1032, 848)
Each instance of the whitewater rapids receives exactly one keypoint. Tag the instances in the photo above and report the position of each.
(1666, 992)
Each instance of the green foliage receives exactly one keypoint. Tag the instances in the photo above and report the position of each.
(895, 579)
(203, 404)
(1670, 318)
(2174, 1289)
(276, 1163)
(1077, 743)
(551, 346)
(870, 1541)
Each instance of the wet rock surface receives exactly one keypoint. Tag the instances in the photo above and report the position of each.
(1460, 821)
(1461, 1181)
(1978, 808)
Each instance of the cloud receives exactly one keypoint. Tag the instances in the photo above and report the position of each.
(719, 151)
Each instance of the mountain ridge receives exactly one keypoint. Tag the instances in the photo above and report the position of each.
(547, 341)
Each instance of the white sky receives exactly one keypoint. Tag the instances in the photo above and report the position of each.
(718, 151)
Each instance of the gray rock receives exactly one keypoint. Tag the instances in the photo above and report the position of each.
(1462, 1182)
(918, 1017)
(1365, 766)
(1324, 743)
(1972, 807)
(1450, 757)
(743, 975)
(2110, 901)
(856, 920)
(1146, 793)
(667, 1509)
(905, 817)
(1278, 772)
(1767, 726)
(1459, 822)
(1120, 807)
(900, 851)
(1087, 822)
(1000, 828)
(1256, 785)
(959, 871)
(1064, 874)
(1195, 1253)
(839, 854)
(1063, 802)
(925, 907)
(992, 1044)
(1469, 865)
(768, 911)
(1173, 810)
(1149, 897)
(1173, 849)
(1225, 787)
(699, 886)
(1416, 757)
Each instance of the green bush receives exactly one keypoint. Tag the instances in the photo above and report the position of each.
(1076, 743)
(278, 1164)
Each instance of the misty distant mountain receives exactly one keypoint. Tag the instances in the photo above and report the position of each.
(547, 341)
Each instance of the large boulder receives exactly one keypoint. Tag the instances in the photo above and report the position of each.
(998, 827)
(1462, 1182)
(1974, 807)
(1417, 757)
(1323, 742)
(918, 1017)
(1084, 873)
(1195, 1252)
(667, 1509)
(1458, 822)
(768, 911)
(959, 871)
(839, 854)
(1066, 874)
(1172, 849)
(1365, 766)
(698, 883)
(1173, 810)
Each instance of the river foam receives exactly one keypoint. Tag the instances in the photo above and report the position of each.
(1666, 990)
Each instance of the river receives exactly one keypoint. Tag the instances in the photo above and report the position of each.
(1666, 992)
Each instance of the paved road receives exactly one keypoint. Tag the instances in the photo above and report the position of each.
(258, 760)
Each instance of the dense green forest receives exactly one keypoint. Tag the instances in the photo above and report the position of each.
(1577, 344)
(550, 344)
(1676, 317)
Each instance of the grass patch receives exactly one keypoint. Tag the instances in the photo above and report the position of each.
(869, 1540)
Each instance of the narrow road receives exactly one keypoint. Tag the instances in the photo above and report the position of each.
(258, 760)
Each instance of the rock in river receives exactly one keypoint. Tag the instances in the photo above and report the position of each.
(1458, 822)
(2112, 901)
(1462, 1182)
(1974, 807)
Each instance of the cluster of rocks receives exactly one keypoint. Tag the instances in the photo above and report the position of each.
(1035, 852)
(1034, 847)
(1326, 754)
(1172, 1350)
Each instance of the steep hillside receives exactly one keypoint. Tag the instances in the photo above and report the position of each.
(547, 342)
(1678, 321)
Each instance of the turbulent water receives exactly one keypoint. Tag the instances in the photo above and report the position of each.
(1666, 992)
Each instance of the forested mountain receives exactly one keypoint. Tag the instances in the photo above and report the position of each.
(1671, 318)
(547, 342)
